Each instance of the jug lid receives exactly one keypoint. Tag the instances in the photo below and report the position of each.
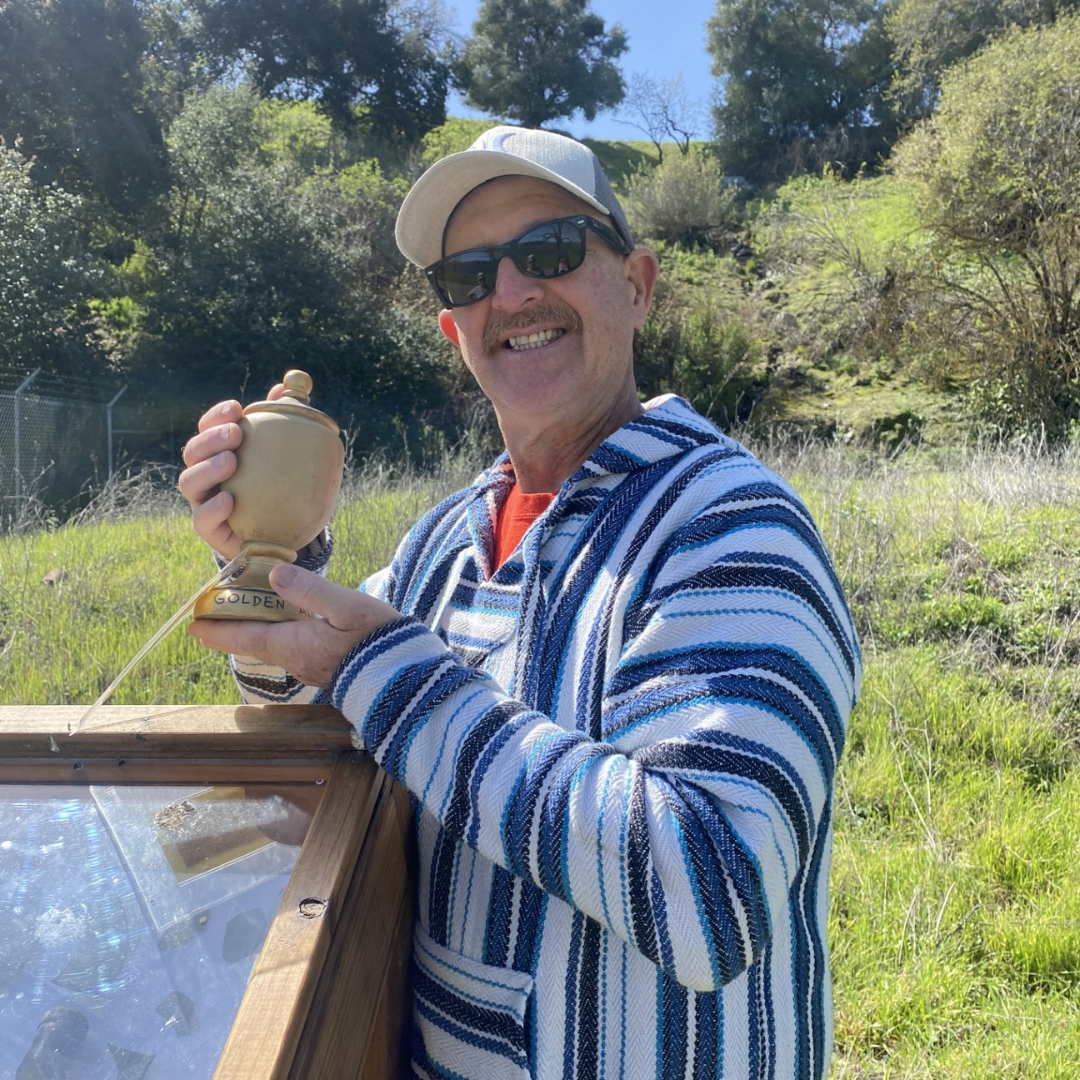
(294, 401)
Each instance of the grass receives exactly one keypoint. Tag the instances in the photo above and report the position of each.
(955, 919)
(956, 890)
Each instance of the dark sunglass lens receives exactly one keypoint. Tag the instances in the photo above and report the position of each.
(544, 251)
(467, 277)
(554, 248)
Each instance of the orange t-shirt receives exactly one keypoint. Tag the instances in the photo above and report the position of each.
(515, 516)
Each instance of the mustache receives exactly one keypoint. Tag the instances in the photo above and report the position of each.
(502, 326)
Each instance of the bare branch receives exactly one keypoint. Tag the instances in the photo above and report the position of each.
(662, 110)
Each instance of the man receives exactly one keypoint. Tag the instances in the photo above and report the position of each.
(614, 673)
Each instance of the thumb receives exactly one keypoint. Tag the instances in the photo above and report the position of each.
(343, 609)
(313, 593)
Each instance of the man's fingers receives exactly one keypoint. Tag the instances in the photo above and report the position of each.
(312, 593)
(243, 637)
(310, 649)
(209, 443)
(223, 412)
(344, 609)
(212, 512)
(210, 520)
(198, 482)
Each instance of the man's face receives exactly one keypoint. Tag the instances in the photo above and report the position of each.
(549, 353)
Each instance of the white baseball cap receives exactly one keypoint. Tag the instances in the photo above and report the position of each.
(501, 151)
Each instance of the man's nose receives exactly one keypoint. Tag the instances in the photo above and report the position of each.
(513, 288)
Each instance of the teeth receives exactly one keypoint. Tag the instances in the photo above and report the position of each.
(534, 341)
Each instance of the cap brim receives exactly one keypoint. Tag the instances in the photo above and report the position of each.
(422, 218)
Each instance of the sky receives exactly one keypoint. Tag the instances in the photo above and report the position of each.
(665, 37)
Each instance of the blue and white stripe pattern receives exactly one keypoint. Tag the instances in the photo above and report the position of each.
(621, 747)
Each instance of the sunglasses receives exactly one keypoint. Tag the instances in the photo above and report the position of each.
(547, 250)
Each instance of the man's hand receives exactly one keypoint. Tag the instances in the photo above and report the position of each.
(309, 649)
(210, 458)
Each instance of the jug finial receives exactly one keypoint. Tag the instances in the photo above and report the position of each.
(297, 385)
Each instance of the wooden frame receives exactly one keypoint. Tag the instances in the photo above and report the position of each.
(327, 998)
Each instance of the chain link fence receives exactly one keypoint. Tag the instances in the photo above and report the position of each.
(57, 449)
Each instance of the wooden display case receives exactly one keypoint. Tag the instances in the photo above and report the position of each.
(327, 996)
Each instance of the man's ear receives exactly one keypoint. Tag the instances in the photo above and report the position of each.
(642, 269)
(448, 326)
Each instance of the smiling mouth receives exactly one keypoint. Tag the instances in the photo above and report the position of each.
(533, 341)
(520, 331)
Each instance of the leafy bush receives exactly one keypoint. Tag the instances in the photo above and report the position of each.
(997, 170)
(701, 356)
(362, 205)
(298, 133)
(703, 337)
(683, 201)
(930, 36)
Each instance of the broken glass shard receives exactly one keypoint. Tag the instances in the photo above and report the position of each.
(130, 1064)
(244, 935)
(95, 965)
(177, 1009)
(55, 1047)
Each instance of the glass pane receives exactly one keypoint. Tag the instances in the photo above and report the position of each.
(132, 917)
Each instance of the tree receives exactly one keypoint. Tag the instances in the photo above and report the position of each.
(802, 84)
(174, 63)
(47, 273)
(533, 61)
(374, 54)
(71, 89)
(928, 36)
(662, 109)
(997, 168)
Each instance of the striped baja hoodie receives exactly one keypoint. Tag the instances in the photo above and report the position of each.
(621, 749)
